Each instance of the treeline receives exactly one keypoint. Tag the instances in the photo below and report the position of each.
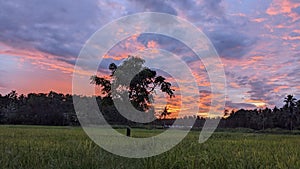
(37, 109)
(57, 109)
(287, 117)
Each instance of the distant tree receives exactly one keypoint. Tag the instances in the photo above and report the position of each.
(141, 87)
(165, 113)
(226, 113)
(290, 103)
(298, 106)
(232, 112)
(2, 114)
(266, 118)
(57, 109)
(275, 109)
(297, 113)
(11, 106)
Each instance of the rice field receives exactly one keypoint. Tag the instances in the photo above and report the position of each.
(30, 147)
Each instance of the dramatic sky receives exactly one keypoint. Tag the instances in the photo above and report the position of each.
(258, 42)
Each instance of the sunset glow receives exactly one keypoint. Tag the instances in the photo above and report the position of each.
(258, 43)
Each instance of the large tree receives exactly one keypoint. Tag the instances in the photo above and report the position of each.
(132, 79)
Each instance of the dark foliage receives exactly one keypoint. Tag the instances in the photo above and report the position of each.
(139, 88)
(41, 109)
(57, 109)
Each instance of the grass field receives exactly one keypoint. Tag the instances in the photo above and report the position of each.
(69, 148)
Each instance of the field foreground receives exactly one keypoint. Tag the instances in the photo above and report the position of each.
(65, 147)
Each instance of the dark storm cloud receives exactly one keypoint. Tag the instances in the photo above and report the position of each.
(225, 35)
(166, 43)
(294, 34)
(201, 10)
(68, 60)
(260, 90)
(151, 6)
(233, 105)
(294, 75)
(296, 10)
(170, 44)
(242, 80)
(61, 28)
(231, 44)
(207, 92)
(214, 7)
(52, 26)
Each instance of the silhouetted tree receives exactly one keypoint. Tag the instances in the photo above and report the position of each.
(57, 109)
(165, 113)
(139, 89)
(290, 103)
(226, 113)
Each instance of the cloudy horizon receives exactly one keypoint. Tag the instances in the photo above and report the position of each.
(258, 42)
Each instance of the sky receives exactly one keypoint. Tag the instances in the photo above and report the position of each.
(258, 42)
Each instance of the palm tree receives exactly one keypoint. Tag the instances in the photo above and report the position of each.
(290, 103)
(165, 112)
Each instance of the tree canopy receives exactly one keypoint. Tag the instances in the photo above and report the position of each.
(132, 79)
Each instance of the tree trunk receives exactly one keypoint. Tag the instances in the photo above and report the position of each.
(128, 131)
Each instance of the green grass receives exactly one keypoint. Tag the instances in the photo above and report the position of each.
(66, 147)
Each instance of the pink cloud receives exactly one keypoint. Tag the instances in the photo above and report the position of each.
(284, 7)
(258, 20)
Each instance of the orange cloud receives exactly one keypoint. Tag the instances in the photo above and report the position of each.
(283, 7)
(234, 85)
(258, 20)
(257, 103)
(287, 37)
(274, 79)
(152, 44)
(116, 57)
(296, 31)
(246, 63)
(42, 60)
(204, 103)
(37, 71)
(279, 88)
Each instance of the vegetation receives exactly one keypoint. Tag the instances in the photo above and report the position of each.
(287, 117)
(57, 109)
(140, 88)
(69, 147)
(42, 109)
